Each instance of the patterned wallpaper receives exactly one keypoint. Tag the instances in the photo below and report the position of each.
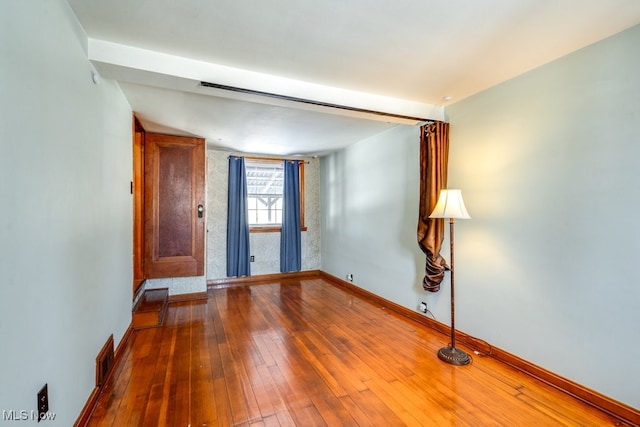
(264, 246)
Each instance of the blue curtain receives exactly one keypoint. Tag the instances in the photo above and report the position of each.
(237, 220)
(290, 237)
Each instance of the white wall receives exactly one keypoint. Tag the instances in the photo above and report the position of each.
(545, 269)
(66, 216)
(264, 246)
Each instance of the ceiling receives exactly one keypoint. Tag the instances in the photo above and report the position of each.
(387, 62)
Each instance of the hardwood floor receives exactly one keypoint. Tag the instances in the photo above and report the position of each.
(306, 353)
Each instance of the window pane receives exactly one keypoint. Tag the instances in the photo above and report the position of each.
(264, 187)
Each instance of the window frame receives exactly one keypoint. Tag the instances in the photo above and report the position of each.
(278, 228)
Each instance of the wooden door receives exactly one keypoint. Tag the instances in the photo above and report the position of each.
(174, 206)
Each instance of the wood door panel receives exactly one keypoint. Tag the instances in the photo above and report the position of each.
(174, 209)
(174, 188)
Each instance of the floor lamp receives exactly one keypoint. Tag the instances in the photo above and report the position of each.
(450, 205)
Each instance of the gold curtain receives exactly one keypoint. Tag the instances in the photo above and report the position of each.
(434, 159)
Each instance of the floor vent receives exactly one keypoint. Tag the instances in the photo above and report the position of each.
(104, 362)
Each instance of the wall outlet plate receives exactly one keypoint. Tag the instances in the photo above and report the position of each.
(423, 307)
(43, 402)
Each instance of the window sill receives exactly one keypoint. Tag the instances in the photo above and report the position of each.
(274, 229)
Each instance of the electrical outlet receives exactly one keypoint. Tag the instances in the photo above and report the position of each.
(252, 258)
(423, 307)
(350, 277)
(43, 402)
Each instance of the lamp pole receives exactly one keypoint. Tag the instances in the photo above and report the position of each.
(450, 206)
(453, 298)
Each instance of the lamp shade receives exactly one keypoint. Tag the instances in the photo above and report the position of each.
(450, 205)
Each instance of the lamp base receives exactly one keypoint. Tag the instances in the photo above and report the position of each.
(454, 356)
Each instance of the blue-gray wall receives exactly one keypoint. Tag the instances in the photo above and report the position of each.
(546, 268)
(66, 212)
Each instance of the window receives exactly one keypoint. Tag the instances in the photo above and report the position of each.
(264, 192)
(265, 179)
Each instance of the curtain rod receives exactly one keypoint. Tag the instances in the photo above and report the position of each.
(309, 101)
(270, 159)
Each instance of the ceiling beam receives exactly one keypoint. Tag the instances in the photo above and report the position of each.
(142, 66)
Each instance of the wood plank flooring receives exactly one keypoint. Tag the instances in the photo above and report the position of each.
(305, 353)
